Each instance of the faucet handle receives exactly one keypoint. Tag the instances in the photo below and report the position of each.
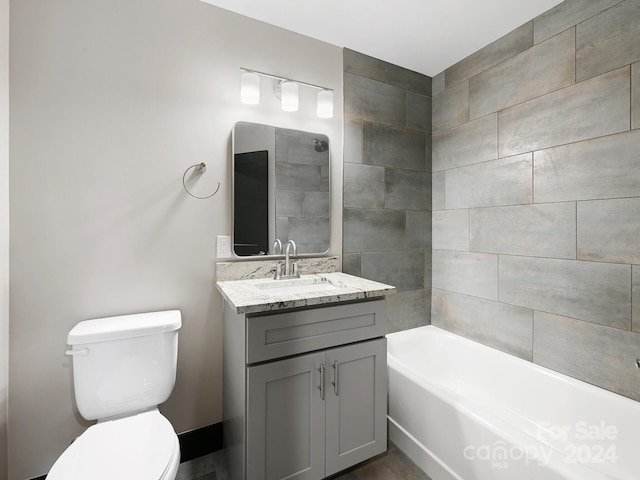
(296, 273)
(278, 271)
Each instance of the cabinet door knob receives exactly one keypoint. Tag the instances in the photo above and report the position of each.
(334, 365)
(321, 386)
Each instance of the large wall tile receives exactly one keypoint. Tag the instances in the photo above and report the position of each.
(317, 204)
(351, 264)
(472, 142)
(635, 292)
(428, 269)
(407, 189)
(635, 95)
(374, 101)
(409, 309)
(592, 353)
(554, 143)
(600, 168)
(495, 324)
(469, 273)
(352, 152)
(451, 230)
(451, 108)
(282, 227)
(363, 186)
(310, 234)
(438, 298)
(373, 230)
(363, 65)
(505, 47)
(387, 183)
(566, 15)
(507, 181)
(407, 79)
(427, 153)
(300, 149)
(404, 270)
(437, 84)
(595, 292)
(608, 40)
(609, 230)
(290, 203)
(393, 147)
(437, 190)
(567, 115)
(547, 230)
(370, 67)
(418, 230)
(297, 176)
(542, 69)
(418, 112)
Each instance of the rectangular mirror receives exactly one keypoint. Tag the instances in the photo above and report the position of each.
(280, 190)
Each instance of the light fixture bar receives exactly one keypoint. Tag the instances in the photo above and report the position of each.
(276, 77)
(286, 90)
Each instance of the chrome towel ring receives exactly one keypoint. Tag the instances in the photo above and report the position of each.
(200, 168)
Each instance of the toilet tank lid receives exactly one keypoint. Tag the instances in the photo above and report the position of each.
(124, 326)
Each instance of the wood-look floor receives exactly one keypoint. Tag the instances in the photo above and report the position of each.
(393, 465)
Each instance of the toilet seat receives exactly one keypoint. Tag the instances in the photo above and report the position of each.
(140, 447)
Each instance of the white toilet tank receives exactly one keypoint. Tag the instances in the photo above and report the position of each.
(124, 364)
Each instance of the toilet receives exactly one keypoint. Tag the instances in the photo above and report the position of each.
(123, 368)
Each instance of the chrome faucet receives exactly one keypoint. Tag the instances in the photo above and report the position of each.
(290, 268)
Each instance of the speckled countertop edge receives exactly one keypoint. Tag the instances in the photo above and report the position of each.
(245, 296)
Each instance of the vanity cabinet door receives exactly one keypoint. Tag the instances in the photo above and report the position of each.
(286, 419)
(356, 404)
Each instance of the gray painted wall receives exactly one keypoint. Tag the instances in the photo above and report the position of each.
(387, 184)
(4, 232)
(536, 193)
(110, 103)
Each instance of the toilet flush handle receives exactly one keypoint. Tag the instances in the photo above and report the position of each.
(81, 351)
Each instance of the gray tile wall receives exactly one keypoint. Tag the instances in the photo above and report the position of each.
(302, 191)
(536, 193)
(387, 183)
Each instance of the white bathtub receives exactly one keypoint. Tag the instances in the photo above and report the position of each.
(461, 410)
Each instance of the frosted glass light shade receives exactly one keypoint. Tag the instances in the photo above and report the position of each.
(250, 88)
(325, 104)
(289, 96)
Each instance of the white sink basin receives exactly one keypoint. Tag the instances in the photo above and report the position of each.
(296, 285)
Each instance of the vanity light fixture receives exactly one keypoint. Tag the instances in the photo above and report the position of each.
(289, 96)
(325, 104)
(286, 90)
(250, 88)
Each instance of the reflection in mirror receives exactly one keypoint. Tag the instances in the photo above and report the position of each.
(280, 190)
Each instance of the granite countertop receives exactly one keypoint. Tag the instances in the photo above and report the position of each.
(267, 294)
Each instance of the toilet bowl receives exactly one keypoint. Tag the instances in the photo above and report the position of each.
(141, 447)
(123, 368)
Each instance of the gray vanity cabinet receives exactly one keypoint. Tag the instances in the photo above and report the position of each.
(311, 397)
(356, 404)
(317, 414)
(286, 420)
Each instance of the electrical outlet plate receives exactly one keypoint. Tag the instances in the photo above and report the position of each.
(223, 246)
